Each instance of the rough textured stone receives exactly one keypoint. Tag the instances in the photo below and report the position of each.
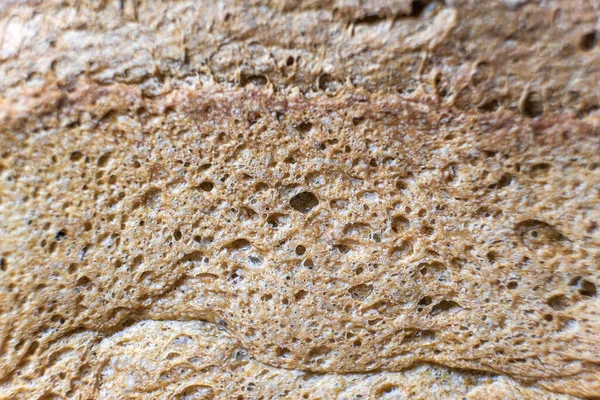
(299, 199)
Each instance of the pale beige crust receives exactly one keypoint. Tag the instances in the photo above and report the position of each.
(376, 204)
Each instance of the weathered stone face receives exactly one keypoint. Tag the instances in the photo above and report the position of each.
(299, 200)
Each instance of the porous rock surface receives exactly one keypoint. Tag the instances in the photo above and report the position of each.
(297, 199)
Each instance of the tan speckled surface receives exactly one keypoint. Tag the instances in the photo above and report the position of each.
(232, 200)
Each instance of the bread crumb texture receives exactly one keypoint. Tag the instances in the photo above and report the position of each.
(330, 199)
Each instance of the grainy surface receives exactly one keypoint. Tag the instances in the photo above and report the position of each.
(299, 199)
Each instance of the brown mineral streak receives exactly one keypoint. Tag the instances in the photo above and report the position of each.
(299, 199)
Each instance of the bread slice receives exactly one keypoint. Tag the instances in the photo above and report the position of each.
(299, 200)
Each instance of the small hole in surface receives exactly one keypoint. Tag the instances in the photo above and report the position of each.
(588, 41)
(361, 291)
(574, 281)
(489, 106)
(304, 127)
(328, 84)
(206, 186)
(84, 281)
(444, 306)
(400, 224)
(401, 185)
(138, 260)
(256, 80)
(417, 7)
(342, 248)
(386, 389)
(558, 302)
(304, 202)
(300, 295)
(239, 244)
(532, 105)
(177, 235)
(277, 220)
(61, 235)
(425, 301)
(539, 169)
(103, 160)
(587, 288)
